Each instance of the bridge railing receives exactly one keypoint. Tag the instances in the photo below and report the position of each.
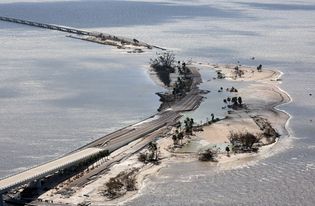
(46, 26)
(41, 171)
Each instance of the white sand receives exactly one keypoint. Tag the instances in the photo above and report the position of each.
(261, 97)
(250, 74)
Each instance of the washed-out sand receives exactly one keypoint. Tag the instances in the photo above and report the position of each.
(261, 96)
(249, 73)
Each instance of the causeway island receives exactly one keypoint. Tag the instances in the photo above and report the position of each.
(157, 103)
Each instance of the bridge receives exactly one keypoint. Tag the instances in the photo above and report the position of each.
(47, 26)
(42, 171)
(110, 142)
(99, 37)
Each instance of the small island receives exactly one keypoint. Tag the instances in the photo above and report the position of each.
(248, 132)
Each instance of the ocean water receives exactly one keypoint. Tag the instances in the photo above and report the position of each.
(57, 94)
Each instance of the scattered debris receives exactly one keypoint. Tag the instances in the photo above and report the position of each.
(121, 184)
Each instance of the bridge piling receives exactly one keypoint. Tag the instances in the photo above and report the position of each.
(38, 185)
(1, 200)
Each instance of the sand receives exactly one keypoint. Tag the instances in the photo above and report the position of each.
(218, 133)
(261, 96)
(250, 73)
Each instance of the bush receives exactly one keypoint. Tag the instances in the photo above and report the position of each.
(163, 65)
(243, 142)
(130, 184)
(208, 155)
(220, 75)
(164, 60)
(142, 157)
(114, 187)
(119, 185)
(164, 76)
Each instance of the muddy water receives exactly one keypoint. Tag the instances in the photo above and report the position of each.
(47, 110)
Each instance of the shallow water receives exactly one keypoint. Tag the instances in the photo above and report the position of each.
(213, 101)
(56, 94)
(52, 89)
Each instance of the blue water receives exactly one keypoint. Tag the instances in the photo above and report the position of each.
(91, 14)
(213, 101)
(56, 96)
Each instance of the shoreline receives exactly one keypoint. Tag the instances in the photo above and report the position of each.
(120, 145)
(242, 159)
(168, 156)
(265, 150)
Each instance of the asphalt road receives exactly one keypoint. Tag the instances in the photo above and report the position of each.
(149, 128)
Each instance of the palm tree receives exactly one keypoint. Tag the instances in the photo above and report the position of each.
(229, 100)
(186, 121)
(240, 101)
(175, 139)
(234, 100)
(179, 125)
(152, 147)
(227, 149)
(180, 137)
(191, 121)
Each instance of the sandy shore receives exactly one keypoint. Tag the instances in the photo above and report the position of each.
(250, 73)
(260, 96)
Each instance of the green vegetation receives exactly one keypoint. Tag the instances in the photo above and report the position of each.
(227, 149)
(177, 138)
(208, 155)
(152, 156)
(220, 75)
(234, 102)
(238, 72)
(232, 89)
(179, 134)
(213, 119)
(189, 122)
(163, 65)
(181, 86)
(243, 142)
(119, 185)
(142, 157)
(183, 69)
